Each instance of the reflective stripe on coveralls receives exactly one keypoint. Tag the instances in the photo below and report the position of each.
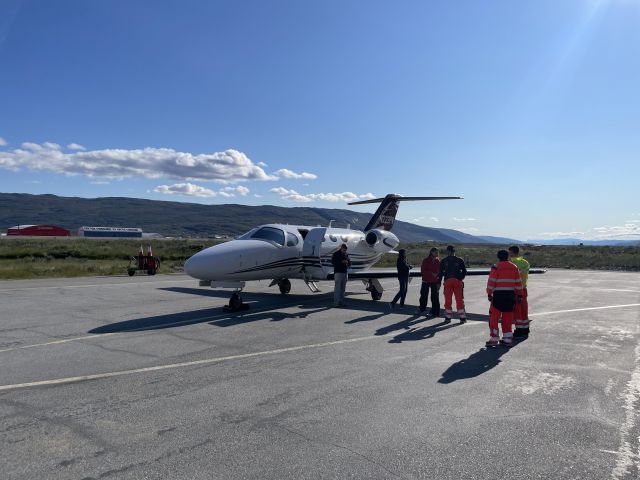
(454, 288)
(503, 279)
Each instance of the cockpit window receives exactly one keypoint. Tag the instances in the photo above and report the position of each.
(270, 234)
(292, 240)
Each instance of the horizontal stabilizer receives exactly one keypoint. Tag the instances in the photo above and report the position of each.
(401, 198)
(385, 215)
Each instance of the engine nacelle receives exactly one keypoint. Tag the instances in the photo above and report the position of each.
(381, 240)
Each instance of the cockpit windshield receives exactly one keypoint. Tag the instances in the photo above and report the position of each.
(270, 234)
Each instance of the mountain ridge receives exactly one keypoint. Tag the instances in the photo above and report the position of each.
(171, 218)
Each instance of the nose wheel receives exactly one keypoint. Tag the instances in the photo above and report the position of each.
(235, 303)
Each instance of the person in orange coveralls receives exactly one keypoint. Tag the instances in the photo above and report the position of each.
(504, 289)
(452, 273)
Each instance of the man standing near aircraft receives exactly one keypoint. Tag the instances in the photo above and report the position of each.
(341, 263)
(452, 272)
(430, 270)
(521, 311)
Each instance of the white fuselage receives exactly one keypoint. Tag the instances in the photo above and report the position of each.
(278, 251)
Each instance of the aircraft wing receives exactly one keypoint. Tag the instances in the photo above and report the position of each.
(415, 272)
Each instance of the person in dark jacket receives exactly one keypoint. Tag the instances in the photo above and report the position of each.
(452, 273)
(341, 263)
(403, 277)
(430, 270)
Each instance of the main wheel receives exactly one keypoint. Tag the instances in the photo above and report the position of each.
(376, 295)
(285, 286)
(131, 272)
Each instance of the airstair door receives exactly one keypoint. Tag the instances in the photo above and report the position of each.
(311, 253)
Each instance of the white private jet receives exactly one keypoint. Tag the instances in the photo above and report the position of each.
(280, 252)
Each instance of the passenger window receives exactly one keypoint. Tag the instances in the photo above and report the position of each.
(270, 234)
(292, 240)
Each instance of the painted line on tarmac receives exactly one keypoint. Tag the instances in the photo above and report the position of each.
(585, 309)
(162, 327)
(50, 287)
(81, 378)
(57, 342)
(628, 459)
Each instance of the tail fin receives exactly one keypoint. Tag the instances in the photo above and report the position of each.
(385, 215)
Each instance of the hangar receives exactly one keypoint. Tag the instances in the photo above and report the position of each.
(110, 232)
(39, 231)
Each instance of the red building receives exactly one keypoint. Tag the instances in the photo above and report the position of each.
(39, 231)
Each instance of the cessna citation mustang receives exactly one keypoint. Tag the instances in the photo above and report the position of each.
(279, 253)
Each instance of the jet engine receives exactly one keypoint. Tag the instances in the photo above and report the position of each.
(381, 240)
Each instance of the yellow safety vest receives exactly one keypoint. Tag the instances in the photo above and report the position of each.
(523, 267)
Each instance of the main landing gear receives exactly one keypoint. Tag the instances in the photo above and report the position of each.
(284, 285)
(374, 287)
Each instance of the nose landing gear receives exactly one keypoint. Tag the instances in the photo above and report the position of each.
(235, 303)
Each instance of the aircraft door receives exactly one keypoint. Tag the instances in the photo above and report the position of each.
(311, 253)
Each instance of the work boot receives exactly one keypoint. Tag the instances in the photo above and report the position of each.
(493, 342)
(463, 320)
(506, 342)
(446, 321)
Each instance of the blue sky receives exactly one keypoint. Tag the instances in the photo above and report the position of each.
(529, 110)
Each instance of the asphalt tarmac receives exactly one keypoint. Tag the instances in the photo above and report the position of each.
(147, 377)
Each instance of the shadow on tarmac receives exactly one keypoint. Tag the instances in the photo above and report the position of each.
(476, 364)
(216, 317)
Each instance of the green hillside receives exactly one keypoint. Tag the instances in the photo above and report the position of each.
(176, 219)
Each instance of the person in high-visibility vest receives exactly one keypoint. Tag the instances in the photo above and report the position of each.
(504, 290)
(452, 273)
(521, 312)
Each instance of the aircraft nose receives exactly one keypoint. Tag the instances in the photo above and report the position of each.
(199, 265)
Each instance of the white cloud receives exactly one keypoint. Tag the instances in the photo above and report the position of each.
(627, 231)
(262, 164)
(418, 220)
(224, 167)
(75, 146)
(470, 230)
(286, 173)
(456, 219)
(3, 142)
(239, 189)
(434, 219)
(257, 196)
(187, 189)
(292, 195)
(561, 234)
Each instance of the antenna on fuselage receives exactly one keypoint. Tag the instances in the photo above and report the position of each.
(330, 222)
